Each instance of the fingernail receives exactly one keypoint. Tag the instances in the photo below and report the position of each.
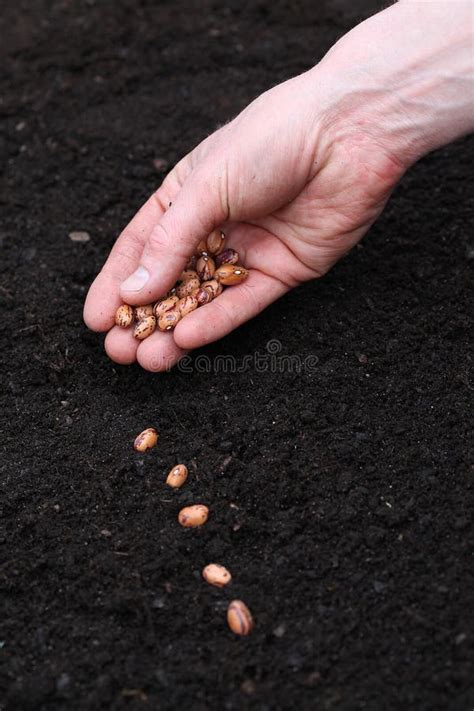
(137, 280)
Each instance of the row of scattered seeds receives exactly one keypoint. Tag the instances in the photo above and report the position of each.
(239, 617)
(206, 274)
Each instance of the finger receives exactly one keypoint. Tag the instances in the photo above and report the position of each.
(233, 307)
(159, 352)
(104, 297)
(121, 346)
(198, 208)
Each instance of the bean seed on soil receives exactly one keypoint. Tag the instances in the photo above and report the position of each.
(124, 316)
(217, 575)
(144, 328)
(230, 274)
(239, 618)
(146, 440)
(177, 476)
(193, 516)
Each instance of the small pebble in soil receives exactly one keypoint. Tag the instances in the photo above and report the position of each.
(193, 516)
(79, 236)
(160, 164)
(217, 575)
(239, 618)
(146, 440)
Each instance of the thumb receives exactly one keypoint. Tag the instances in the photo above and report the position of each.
(199, 207)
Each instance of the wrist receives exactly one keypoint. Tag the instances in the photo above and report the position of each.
(404, 78)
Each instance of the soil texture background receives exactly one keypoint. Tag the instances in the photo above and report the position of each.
(340, 495)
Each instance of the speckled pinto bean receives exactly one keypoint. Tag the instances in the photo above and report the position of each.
(177, 476)
(228, 256)
(215, 242)
(142, 312)
(187, 287)
(203, 296)
(239, 618)
(217, 575)
(187, 304)
(230, 274)
(188, 274)
(205, 267)
(124, 316)
(213, 287)
(169, 319)
(193, 516)
(164, 305)
(146, 440)
(144, 328)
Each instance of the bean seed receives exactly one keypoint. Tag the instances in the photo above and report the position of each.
(203, 296)
(201, 248)
(124, 316)
(144, 328)
(191, 263)
(228, 256)
(164, 305)
(193, 516)
(213, 287)
(142, 312)
(229, 274)
(188, 274)
(187, 287)
(168, 320)
(215, 242)
(205, 267)
(239, 618)
(187, 304)
(177, 476)
(216, 575)
(146, 440)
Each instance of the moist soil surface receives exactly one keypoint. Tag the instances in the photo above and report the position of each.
(339, 491)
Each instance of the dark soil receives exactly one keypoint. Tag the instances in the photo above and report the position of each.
(340, 496)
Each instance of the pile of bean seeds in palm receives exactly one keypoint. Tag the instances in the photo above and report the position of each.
(207, 272)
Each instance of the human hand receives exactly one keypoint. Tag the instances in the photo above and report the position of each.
(296, 180)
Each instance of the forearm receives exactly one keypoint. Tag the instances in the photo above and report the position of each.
(405, 76)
